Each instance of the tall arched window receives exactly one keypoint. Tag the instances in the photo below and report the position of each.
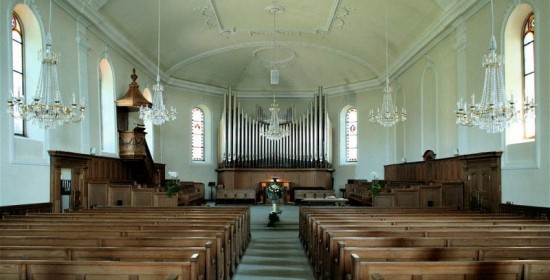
(520, 67)
(351, 135)
(528, 55)
(197, 134)
(108, 118)
(18, 69)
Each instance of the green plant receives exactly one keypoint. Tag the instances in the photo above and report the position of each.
(172, 185)
(376, 186)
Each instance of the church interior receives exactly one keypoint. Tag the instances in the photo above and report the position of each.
(381, 139)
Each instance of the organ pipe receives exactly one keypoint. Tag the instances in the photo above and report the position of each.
(307, 146)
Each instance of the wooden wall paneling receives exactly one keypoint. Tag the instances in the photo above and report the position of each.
(384, 200)
(430, 196)
(98, 193)
(161, 199)
(480, 173)
(120, 195)
(243, 178)
(142, 197)
(453, 194)
(407, 198)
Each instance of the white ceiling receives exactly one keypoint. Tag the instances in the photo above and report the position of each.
(222, 43)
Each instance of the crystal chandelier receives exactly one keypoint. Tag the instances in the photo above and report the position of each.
(493, 112)
(274, 131)
(388, 115)
(157, 113)
(47, 110)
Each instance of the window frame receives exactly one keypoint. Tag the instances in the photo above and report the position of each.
(18, 90)
(349, 135)
(202, 145)
(528, 127)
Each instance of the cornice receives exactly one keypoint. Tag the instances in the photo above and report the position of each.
(88, 14)
(460, 11)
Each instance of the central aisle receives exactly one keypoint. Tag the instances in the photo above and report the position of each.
(274, 252)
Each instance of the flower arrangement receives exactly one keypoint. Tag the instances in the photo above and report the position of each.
(376, 186)
(173, 185)
(274, 191)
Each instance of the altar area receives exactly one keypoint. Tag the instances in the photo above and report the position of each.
(290, 179)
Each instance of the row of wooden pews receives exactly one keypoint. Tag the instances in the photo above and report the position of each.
(125, 243)
(376, 243)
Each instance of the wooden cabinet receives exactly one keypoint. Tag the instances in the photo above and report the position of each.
(468, 181)
(482, 183)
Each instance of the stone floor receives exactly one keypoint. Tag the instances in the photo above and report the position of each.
(274, 252)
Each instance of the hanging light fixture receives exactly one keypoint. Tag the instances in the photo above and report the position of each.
(157, 113)
(274, 130)
(387, 115)
(493, 112)
(274, 73)
(47, 110)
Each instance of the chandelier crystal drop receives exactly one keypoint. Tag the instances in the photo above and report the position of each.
(274, 131)
(47, 109)
(157, 113)
(493, 113)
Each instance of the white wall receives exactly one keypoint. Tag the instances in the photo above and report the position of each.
(428, 89)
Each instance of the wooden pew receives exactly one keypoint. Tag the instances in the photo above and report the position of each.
(205, 269)
(330, 257)
(397, 254)
(519, 269)
(137, 227)
(137, 244)
(226, 249)
(321, 227)
(239, 232)
(56, 270)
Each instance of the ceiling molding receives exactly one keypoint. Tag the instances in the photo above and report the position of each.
(354, 88)
(256, 45)
(336, 18)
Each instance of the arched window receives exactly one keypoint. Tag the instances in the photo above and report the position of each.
(197, 134)
(18, 67)
(520, 67)
(528, 55)
(108, 118)
(351, 135)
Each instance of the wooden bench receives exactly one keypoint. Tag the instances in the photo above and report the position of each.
(520, 269)
(301, 194)
(236, 196)
(96, 270)
(204, 266)
(396, 254)
(322, 231)
(133, 228)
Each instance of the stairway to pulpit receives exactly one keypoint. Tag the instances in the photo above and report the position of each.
(274, 252)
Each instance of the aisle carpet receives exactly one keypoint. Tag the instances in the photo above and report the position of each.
(274, 252)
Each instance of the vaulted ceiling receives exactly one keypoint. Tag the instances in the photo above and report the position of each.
(222, 43)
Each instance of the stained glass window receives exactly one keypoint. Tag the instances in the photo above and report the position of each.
(197, 134)
(351, 135)
(529, 71)
(18, 69)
